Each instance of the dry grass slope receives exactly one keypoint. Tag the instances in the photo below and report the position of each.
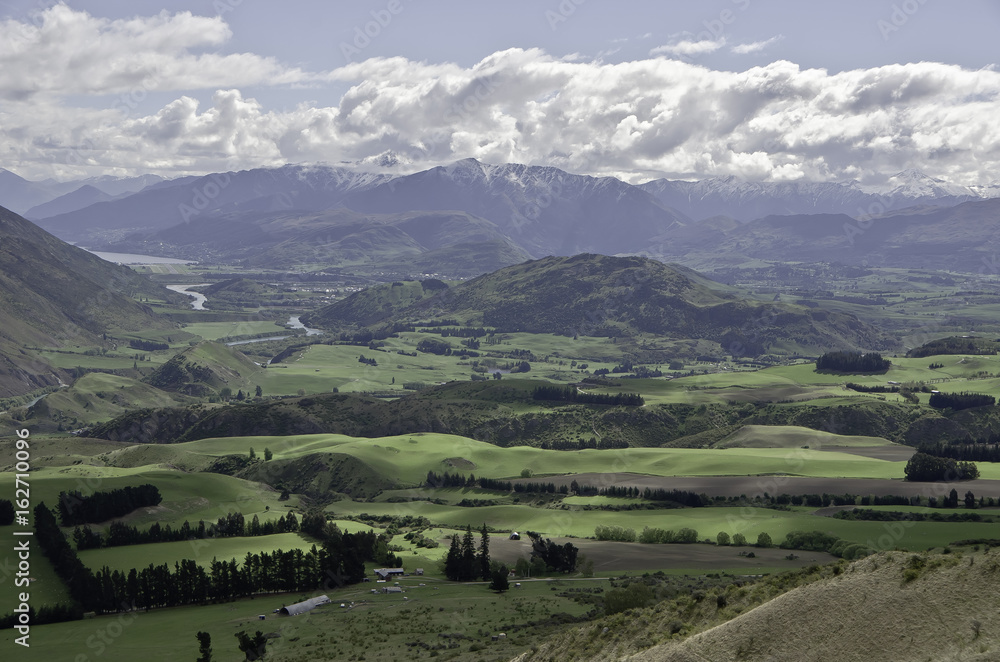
(893, 606)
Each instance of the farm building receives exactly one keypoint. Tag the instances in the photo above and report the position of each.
(515, 536)
(392, 589)
(304, 606)
(385, 573)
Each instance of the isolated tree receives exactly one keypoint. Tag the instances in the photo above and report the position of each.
(739, 540)
(267, 454)
(970, 499)
(252, 647)
(453, 561)
(253, 455)
(722, 538)
(484, 552)
(522, 567)
(500, 583)
(764, 540)
(240, 397)
(469, 571)
(225, 393)
(204, 647)
(6, 512)
(260, 391)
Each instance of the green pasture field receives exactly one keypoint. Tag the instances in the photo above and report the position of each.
(203, 551)
(223, 330)
(409, 457)
(47, 587)
(708, 522)
(793, 436)
(375, 627)
(118, 360)
(186, 496)
(97, 397)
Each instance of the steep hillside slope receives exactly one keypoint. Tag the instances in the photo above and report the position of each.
(889, 607)
(52, 294)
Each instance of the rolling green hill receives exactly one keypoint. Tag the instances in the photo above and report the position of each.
(596, 295)
(503, 413)
(204, 369)
(53, 294)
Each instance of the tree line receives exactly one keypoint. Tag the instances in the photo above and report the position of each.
(338, 561)
(963, 452)
(231, 525)
(464, 563)
(683, 497)
(571, 394)
(76, 509)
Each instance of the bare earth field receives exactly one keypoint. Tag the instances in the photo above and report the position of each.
(628, 556)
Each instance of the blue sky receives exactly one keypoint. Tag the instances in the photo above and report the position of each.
(763, 89)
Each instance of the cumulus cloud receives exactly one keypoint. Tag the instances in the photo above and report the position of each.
(756, 46)
(637, 120)
(65, 51)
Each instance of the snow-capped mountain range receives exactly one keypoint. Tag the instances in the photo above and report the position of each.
(744, 201)
(542, 209)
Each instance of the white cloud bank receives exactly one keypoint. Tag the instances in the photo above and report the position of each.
(653, 117)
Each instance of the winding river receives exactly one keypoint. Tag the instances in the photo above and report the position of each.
(199, 298)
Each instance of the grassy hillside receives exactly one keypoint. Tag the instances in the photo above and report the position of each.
(53, 294)
(204, 369)
(595, 295)
(504, 414)
(891, 606)
(375, 303)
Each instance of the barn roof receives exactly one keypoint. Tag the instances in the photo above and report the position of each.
(304, 606)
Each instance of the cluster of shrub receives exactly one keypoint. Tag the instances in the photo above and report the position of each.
(889, 516)
(233, 524)
(572, 394)
(75, 509)
(147, 345)
(927, 468)
(818, 541)
(372, 362)
(852, 362)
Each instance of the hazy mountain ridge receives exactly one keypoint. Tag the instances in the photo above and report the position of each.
(744, 200)
(965, 238)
